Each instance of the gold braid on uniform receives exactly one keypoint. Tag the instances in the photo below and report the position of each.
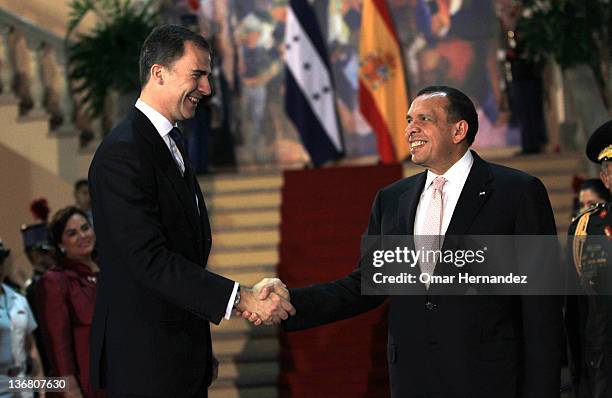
(580, 235)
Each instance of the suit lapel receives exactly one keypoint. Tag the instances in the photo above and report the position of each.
(407, 205)
(202, 209)
(161, 156)
(475, 193)
(406, 212)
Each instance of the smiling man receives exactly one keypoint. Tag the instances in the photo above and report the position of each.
(151, 332)
(442, 345)
(439, 132)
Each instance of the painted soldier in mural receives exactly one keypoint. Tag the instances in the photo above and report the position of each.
(256, 69)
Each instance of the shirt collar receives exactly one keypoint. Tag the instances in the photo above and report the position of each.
(457, 172)
(9, 293)
(159, 121)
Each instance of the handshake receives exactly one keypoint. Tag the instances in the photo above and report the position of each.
(267, 302)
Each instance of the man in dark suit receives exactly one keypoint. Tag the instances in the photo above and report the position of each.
(150, 332)
(451, 346)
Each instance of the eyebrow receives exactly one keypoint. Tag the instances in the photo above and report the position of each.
(420, 114)
(79, 227)
(200, 71)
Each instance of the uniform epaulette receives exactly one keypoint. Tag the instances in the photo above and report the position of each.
(590, 210)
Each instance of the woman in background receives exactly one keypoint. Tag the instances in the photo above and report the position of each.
(66, 295)
(592, 191)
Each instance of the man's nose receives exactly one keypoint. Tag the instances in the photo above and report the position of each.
(204, 86)
(410, 129)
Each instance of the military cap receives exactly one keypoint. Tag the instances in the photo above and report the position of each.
(599, 147)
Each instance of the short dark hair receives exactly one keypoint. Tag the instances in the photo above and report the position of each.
(164, 45)
(597, 186)
(58, 224)
(460, 107)
(83, 182)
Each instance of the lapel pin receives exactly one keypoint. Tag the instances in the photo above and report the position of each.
(481, 193)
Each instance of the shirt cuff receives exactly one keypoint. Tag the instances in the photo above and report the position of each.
(230, 304)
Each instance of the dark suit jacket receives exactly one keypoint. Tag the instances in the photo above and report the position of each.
(150, 333)
(458, 346)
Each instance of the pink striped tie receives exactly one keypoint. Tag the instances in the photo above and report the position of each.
(431, 239)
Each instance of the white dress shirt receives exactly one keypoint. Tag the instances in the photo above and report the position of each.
(163, 127)
(455, 180)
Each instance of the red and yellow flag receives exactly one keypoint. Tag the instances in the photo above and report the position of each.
(383, 99)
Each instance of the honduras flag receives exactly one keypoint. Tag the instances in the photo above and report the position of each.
(309, 95)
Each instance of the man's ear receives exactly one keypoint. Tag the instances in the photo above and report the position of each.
(158, 73)
(460, 130)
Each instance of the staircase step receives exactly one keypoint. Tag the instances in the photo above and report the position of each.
(231, 239)
(244, 269)
(225, 184)
(246, 349)
(220, 260)
(242, 221)
(561, 200)
(558, 182)
(254, 332)
(543, 163)
(247, 277)
(237, 248)
(243, 200)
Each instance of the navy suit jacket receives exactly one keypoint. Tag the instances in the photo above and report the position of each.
(452, 346)
(150, 332)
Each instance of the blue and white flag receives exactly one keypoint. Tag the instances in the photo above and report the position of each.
(309, 96)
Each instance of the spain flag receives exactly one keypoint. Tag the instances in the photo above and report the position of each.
(383, 99)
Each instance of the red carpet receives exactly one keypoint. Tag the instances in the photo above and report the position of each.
(323, 214)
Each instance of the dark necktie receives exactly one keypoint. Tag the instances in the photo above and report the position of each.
(176, 135)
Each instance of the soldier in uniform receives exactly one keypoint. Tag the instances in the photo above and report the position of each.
(590, 247)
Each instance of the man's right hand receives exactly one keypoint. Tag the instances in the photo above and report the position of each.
(267, 302)
(269, 285)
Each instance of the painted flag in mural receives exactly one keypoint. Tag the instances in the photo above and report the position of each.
(309, 94)
(383, 97)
